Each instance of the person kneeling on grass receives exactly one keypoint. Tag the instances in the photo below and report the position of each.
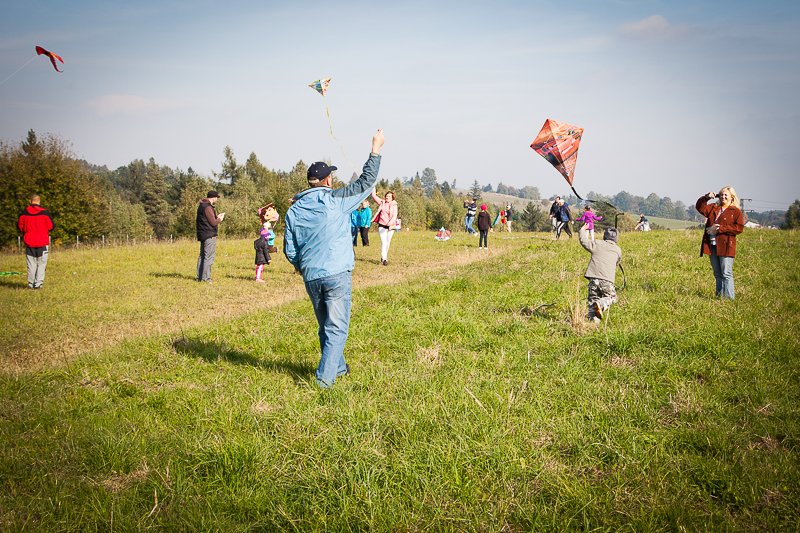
(602, 271)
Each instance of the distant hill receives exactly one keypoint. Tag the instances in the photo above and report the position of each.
(501, 199)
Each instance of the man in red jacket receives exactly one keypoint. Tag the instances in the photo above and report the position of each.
(35, 223)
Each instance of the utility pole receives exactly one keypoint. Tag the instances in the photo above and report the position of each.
(743, 200)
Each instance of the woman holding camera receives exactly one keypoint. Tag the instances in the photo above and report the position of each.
(724, 221)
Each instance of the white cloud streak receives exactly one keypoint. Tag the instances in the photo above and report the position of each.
(654, 27)
(131, 104)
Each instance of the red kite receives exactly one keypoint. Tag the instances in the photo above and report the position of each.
(42, 52)
(558, 143)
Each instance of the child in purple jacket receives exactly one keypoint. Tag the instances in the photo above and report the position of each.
(588, 218)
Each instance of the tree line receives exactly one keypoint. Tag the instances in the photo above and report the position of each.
(144, 199)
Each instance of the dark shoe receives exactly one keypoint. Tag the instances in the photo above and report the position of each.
(384, 262)
(346, 371)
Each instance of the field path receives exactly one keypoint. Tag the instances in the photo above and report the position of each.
(97, 298)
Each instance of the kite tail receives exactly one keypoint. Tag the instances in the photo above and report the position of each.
(16, 71)
(576, 192)
(327, 112)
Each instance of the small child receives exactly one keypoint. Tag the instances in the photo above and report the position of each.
(588, 218)
(262, 246)
(601, 272)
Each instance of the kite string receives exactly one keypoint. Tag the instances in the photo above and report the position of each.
(16, 71)
(330, 124)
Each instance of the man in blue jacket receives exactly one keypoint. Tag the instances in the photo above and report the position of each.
(318, 243)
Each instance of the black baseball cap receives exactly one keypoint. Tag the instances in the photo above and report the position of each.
(319, 171)
(212, 194)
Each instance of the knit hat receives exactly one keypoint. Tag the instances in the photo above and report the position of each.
(483, 207)
(610, 234)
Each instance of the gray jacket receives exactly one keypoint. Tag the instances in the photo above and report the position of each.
(606, 255)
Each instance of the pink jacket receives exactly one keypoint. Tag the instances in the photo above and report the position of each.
(386, 213)
(588, 218)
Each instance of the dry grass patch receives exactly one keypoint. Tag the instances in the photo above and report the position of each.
(430, 356)
(119, 482)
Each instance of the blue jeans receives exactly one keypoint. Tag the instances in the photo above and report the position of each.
(468, 224)
(331, 298)
(723, 274)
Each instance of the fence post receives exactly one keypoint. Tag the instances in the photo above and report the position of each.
(126, 238)
(77, 240)
(104, 241)
(19, 243)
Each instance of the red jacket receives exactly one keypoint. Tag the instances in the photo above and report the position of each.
(36, 224)
(731, 224)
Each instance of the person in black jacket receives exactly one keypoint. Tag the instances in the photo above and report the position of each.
(554, 215)
(484, 223)
(262, 253)
(207, 222)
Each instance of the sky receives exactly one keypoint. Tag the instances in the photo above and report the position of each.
(677, 98)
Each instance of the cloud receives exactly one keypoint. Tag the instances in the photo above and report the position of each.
(131, 104)
(654, 27)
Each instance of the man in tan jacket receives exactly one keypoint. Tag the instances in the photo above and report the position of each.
(602, 271)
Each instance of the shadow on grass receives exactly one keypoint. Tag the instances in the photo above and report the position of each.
(9, 284)
(368, 260)
(251, 277)
(174, 275)
(214, 351)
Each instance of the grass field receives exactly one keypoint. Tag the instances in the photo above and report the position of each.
(461, 413)
(672, 223)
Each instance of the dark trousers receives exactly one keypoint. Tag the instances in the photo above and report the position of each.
(564, 226)
(354, 233)
(483, 239)
(364, 236)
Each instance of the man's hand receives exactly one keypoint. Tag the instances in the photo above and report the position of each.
(221, 217)
(377, 142)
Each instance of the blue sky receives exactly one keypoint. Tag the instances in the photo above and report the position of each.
(676, 98)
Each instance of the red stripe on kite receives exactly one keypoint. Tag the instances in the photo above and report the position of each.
(41, 51)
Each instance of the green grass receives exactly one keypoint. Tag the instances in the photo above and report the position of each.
(673, 223)
(461, 413)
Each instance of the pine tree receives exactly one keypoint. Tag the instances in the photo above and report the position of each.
(534, 219)
(154, 198)
(428, 180)
(475, 191)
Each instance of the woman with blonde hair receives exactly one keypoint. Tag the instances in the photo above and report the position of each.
(386, 218)
(724, 221)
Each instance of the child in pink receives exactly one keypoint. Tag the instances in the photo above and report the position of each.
(588, 218)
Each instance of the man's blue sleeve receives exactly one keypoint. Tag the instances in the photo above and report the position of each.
(357, 192)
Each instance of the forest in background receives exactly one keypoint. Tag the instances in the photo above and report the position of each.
(146, 200)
